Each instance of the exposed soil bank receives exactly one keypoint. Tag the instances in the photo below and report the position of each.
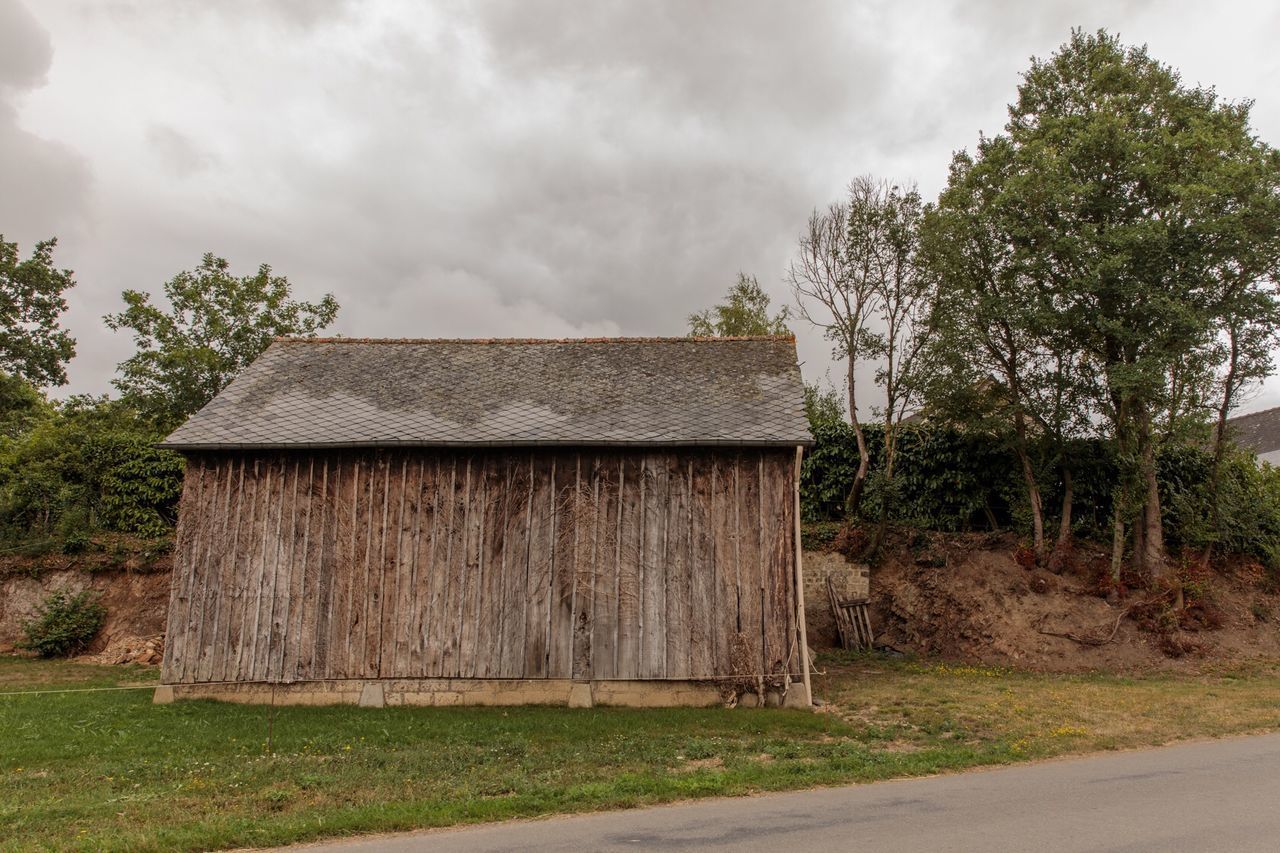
(136, 604)
(967, 598)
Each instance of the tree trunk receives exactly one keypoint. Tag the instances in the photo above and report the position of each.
(1033, 488)
(1061, 547)
(886, 504)
(854, 500)
(1220, 446)
(1117, 544)
(1153, 538)
(1140, 541)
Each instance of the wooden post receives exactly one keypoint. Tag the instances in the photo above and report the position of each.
(804, 634)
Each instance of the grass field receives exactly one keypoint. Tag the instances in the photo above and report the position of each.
(108, 770)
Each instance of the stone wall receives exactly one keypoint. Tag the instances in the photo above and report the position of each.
(377, 693)
(852, 579)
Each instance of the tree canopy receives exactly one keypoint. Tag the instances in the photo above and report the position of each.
(33, 344)
(1107, 246)
(745, 311)
(217, 323)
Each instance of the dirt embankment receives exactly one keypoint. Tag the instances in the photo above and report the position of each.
(970, 598)
(136, 604)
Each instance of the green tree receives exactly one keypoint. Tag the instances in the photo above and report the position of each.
(32, 343)
(1002, 366)
(217, 323)
(744, 312)
(83, 465)
(1133, 203)
(822, 405)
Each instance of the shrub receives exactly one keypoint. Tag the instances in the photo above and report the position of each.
(64, 624)
(952, 479)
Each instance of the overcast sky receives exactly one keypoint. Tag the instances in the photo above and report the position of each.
(514, 168)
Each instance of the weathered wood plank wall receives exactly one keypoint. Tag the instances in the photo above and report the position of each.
(659, 564)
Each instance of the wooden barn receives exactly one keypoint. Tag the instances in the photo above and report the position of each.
(610, 521)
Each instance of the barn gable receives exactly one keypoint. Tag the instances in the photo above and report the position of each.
(496, 521)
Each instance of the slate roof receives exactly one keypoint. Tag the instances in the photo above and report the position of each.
(1258, 432)
(346, 392)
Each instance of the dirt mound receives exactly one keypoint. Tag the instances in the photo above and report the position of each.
(968, 598)
(126, 649)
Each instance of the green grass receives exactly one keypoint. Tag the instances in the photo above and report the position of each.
(108, 770)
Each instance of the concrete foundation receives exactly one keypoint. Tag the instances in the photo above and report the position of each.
(375, 693)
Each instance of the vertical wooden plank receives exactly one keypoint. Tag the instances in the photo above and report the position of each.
(424, 547)
(702, 569)
(455, 577)
(271, 533)
(252, 576)
(585, 556)
(239, 510)
(563, 568)
(300, 539)
(725, 555)
(254, 559)
(353, 572)
(541, 551)
(407, 565)
(246, 570)
(515, 556)
(439, 627)
(375, 561)
(183, 581)
(492, 612)
(313, 637)
(387, 563)
(282, 600)
(205, 548)
(630, 548)
(473, 567)
(347, 617)
(679, 564)
(604, 621)
(803, 639)
(653, 611)
(183, 591)
(775, 515)
(367, 503)
(330, 609)
(750, 562)
(215, 558)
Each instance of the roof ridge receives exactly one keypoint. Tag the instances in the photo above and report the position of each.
(613, 340)
(1253, 414)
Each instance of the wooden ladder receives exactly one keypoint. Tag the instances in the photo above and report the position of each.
(852, 621)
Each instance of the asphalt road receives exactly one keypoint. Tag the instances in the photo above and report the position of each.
(1220, 795)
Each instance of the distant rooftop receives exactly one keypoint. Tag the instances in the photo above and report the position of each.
(360, 392)
(1258, 432)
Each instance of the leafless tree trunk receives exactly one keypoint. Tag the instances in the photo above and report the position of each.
(835, 293)
(891, 223)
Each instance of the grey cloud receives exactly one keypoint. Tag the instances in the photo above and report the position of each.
(25, 49)
(517, 168)
(43, 184)
(178, 152)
